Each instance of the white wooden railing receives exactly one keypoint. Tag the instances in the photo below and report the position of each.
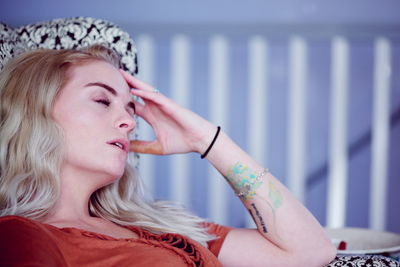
(217, 200)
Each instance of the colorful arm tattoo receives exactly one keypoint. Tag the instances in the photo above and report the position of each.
(244, 181)
(274, 195)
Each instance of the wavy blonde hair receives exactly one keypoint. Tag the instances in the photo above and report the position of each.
(31, 150)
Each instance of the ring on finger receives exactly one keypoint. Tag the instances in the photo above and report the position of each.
(156, 91)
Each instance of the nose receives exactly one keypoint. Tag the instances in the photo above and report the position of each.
(126, 122)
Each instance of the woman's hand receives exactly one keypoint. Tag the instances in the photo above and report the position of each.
(177, 130)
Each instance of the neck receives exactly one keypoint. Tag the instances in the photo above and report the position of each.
(72, 207)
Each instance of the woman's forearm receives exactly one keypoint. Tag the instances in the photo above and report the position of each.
(279, 217)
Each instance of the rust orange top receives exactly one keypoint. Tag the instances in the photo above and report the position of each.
(26, 242)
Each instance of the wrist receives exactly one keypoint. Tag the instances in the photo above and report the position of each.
(212, 143)
(205, 138)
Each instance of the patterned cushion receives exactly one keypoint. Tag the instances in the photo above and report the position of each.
(9, 44)
(67, 33)
(363, 261)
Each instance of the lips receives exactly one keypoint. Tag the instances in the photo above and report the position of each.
(120, 143)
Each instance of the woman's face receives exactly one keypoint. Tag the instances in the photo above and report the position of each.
(95, 110)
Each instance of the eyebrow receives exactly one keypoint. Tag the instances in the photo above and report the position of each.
(131, 104)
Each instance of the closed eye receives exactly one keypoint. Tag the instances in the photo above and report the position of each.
(103, 102)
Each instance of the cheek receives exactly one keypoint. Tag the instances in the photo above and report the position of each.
(83, 127)
(80, 131)
(82, 147)
(71, 111)
(75, 118)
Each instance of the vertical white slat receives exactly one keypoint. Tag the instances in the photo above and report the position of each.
(257, 134)
(338, 158)
(145, 46)
(297, 116)
(218, 100)
(380, 134)
(180, 93)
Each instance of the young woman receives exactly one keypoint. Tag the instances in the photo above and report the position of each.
(68, 197)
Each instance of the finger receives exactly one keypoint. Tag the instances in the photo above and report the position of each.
(149, 96)
(135, 82)
(140, 111)
(146, 147)
(139, 107)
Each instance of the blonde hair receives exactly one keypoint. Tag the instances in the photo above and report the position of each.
(31, 150)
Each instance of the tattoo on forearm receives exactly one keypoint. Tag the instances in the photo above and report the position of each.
(274, 195)
(258, 218)
(274, 200)
(244, 181)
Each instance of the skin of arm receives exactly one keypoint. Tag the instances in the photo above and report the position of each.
(286, 235)
(294, 236)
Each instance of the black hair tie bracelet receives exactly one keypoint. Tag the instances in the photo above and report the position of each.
(212, 143)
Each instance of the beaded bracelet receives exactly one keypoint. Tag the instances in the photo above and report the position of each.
(212, 143)
(251, 186)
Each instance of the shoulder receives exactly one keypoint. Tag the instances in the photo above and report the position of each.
(16, 228)
(7, 221)
(23, 240)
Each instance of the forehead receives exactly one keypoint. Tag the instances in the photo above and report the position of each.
(96, 71)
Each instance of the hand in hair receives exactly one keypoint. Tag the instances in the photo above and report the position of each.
(177, 130)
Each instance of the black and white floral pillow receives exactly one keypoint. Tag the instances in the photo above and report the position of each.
(67, 33)
(363, 261)
(9, 44)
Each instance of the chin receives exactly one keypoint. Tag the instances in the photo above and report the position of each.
(110, 174)
(116, 168)
(110, 178)
(116, 174)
